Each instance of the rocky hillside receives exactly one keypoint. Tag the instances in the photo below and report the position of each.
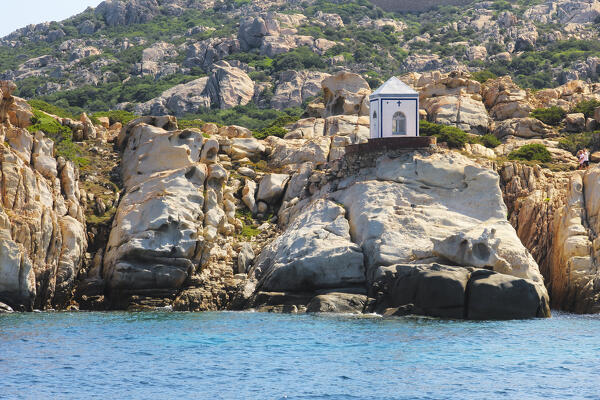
(188, 57)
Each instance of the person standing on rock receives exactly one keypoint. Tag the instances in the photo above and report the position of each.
(581, 158)
(586, 158)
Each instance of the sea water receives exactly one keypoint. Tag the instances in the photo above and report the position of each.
(245, 355)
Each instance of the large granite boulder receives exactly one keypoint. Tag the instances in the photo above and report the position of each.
(575, 122)
(465, 112)
(205, 53)
(526, 128)
(346, 93)
(173, 209)
(499, 296)
(290, 153)
(227, 87)
(179, 100)
(252, 30)
(116, 12)
(295, 87)
(306, 128)
(408, 204)
(505, 99)
(454, 292)
(401, 215)
(315, 252)
(564, 11)
(272, 187)
(332, 301)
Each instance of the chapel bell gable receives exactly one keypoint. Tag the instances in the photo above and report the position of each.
(394, 110)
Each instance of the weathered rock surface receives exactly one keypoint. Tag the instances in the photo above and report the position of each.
(412, 221)
(505, 99)
(295, 87)
(205, 53)
(227, 87)
(454, 292)
(465, 112)
(564, 11)
(335, 302)
(346, 94)
(575, 122)
(116, 13)
(524, 128)
(272, 187)
(290, 153)
(415, 209)
(42, 227)
(171, 215)
(316, 252)
(574, 278)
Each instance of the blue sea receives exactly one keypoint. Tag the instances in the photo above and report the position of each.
(245, 355)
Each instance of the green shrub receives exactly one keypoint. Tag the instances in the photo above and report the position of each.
(249, 116)
(454, 137)
(188, 124)
(61, 135)
(259, 76)
(578, 141)
(50, 109)
(299, 58)
(107, 95)
(121, 116)
(45, 123)
(270, 131)
(275, 128)
(586, 107)
(490, 141)
(531, 152)
(427, 128)
(551, 116)
(483, 76)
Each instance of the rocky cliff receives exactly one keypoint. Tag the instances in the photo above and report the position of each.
(555, 217)
(417, 233)
(176, 219)
(42, 220)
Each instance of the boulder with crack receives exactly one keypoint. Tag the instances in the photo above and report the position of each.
(453, 292)
(346, 93)
(315, 252)
(526, 128)
(295, 87)
(173, 210)
(227, 87)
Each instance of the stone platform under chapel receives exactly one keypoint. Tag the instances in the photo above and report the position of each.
(407, 143)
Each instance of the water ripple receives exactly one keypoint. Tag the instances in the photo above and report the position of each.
(248, 355)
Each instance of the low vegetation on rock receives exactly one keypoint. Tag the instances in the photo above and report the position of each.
(531, 152)
(454, 137)
(577, 141)
(552, 115)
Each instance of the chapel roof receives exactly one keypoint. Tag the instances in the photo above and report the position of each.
(394, 86)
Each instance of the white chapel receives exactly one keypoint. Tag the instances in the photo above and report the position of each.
(394, 110)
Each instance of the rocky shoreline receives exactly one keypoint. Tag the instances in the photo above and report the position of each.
(213, 218)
